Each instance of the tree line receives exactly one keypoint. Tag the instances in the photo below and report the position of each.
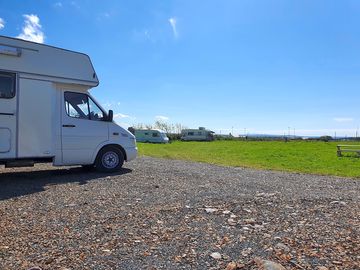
(169, 128)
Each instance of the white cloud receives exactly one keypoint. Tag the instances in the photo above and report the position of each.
(103, 16)
(58, 5)
(173, 22)
(147, 35)
(123, 119)
(32, 29)
(110, 104)
(161, 118)
(343, 119)
(75, 4)
(118, 116)
(2, 23)
(144, 35)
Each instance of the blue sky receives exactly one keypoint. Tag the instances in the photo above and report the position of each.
(226, 65)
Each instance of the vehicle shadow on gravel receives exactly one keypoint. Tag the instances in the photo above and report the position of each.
(15, 184)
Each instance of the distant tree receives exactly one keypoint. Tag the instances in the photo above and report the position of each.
(167, 127)
(139, 126)
(178, 128)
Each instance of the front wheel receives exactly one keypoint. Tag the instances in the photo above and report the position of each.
(109, 159)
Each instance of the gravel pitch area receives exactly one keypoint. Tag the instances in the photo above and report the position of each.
(167, 214)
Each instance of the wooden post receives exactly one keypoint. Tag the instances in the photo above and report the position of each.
(339, 154)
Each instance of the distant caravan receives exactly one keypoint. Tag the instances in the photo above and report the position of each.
(200, 134)
(151, 136)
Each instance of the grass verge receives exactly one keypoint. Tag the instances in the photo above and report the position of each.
(299, 156)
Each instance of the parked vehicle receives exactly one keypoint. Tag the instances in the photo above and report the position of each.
(200, 134)
(48, 115)
(151, 136)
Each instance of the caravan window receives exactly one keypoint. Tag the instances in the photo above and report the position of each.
(155, 134)
(191, 133)
(79, 105)
(7, 85)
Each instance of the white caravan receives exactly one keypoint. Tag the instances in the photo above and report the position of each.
(48, 115)
(151, 136)
(200, 134)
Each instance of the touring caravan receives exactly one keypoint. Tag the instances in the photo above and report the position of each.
(151, 136)
(48, 115)
(200, 134)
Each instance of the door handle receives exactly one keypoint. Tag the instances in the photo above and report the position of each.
(70, 126)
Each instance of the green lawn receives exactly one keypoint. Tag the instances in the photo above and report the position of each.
(304, 157)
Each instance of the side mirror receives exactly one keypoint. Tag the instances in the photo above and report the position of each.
(110, 115)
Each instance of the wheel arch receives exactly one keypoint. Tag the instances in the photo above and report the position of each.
(102, 146)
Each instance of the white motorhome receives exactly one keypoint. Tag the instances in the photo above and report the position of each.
(48, 115)
(200, 134)
(151, 136)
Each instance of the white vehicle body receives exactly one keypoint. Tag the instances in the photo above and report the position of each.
(200, 134)
(39, 87)
(151, 136)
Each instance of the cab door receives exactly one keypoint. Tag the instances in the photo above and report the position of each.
(84, 128)
(8, 115)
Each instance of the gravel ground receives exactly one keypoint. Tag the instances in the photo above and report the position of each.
(167, 214)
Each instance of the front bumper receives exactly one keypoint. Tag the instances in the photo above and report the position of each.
(131, 153)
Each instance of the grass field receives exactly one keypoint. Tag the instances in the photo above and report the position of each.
(304, 157)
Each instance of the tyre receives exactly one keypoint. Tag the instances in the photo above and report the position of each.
(109, 159)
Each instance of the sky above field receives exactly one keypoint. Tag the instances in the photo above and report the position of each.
(231, 65)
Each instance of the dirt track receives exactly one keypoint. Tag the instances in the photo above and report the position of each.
(164, 214)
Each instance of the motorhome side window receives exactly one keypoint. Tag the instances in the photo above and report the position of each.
(80, 106)
(7, 85)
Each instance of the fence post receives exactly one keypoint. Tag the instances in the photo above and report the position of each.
(339, 154)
